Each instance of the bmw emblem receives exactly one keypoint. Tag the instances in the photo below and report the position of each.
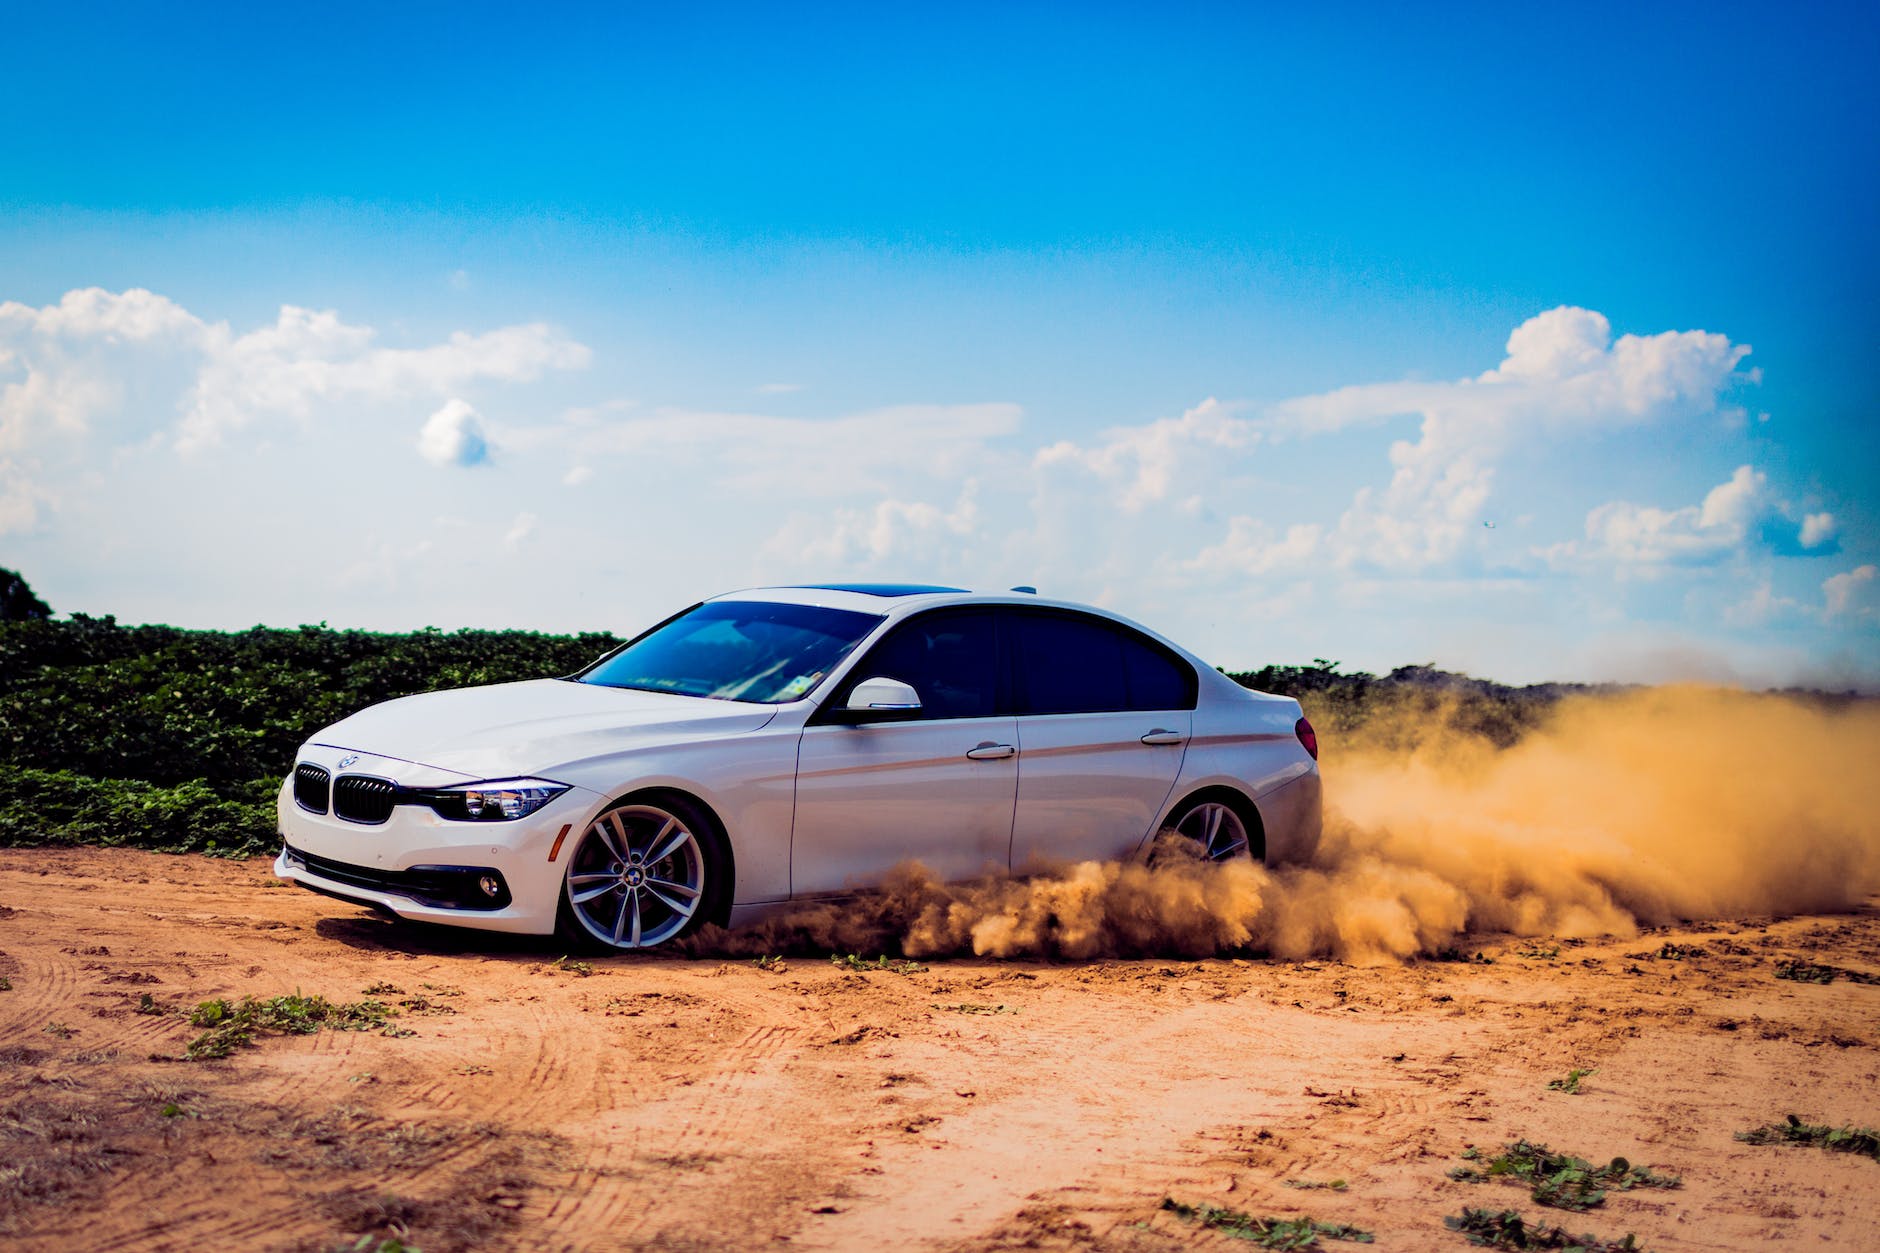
(350, 759)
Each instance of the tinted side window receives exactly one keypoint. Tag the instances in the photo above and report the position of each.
(950, 659)
(1156, 680)
(1069, 665)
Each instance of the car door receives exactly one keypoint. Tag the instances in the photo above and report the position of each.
(936, 787)
(1104, 718)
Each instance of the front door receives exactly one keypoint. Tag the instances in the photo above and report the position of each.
(937, 788)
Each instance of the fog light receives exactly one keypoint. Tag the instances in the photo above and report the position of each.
(490, 885)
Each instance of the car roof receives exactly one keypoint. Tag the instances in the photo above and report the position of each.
(890, 599)
(898, 600)
(894, 601)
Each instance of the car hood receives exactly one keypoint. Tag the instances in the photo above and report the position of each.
(514, 729)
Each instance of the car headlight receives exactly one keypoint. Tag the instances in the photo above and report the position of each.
(501, 800)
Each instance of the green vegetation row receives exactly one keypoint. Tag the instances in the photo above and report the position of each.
(162, 738)
(175, 740)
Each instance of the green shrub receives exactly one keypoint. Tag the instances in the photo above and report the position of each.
(59, 807)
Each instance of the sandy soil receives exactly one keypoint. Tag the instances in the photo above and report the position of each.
(709, 1103)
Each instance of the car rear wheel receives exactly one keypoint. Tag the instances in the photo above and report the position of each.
(645, 871)
(1218, 827)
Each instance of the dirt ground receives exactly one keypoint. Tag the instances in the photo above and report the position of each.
(673, 1103)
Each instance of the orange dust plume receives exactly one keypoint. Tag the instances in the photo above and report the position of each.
(1618, 811)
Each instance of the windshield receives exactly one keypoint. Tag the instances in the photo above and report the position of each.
(736, 650)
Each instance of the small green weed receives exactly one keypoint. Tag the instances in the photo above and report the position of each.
(1329, 1185)
(227, 1027)
(1680, 952)
(61, 1030)
(852, 962)
(973, 1007)
(383, 989)
(1864, 1141)
(147, 1004)
(1535, 952)
(1508, 1230)
(173, 1110)
(1457, 955)
(770, 963)
(1799, 971)
(1571, 1084)
(1563, 1181)
(1268, 1233)
(572, 966)
(6, 984)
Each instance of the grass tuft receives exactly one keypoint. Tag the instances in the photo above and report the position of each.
(1864, 1141)
(227, 1027)
(1508, 1230)
(1571, 1084)
(1268, 1233)
(1798, 971)
(1561, 1180)
(852, 962)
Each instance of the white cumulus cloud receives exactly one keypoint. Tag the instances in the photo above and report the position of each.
(156, 369)
(1253, 547)
(1818, 529)
(453, 436)
(1853, 594)
(1739, 515)
(1145, 461)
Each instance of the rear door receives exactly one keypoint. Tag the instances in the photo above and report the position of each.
(1104, 716)
(937, 788)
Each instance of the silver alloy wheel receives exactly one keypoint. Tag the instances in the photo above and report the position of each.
(1217, 829)
(636, 877)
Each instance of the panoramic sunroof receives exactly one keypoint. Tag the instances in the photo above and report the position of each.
(879, 589)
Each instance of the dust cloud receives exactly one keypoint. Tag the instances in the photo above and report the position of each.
(1618, 811)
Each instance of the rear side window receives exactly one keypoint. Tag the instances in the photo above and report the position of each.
(1069, 665)
(950, 658)
(1157, 680)
(1072, 664)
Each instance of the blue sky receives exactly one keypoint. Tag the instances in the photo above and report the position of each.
(474, 316)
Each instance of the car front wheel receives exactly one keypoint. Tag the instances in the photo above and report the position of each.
(644, 872)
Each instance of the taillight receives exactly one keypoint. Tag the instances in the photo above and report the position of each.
(1307, 737)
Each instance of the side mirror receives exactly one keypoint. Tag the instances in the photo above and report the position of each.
(880, 700)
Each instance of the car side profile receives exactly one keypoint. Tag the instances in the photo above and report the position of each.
(790, 744)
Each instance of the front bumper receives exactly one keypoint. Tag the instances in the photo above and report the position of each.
(420, 866)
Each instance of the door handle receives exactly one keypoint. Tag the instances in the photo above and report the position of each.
(1159, 736)
(990, 751)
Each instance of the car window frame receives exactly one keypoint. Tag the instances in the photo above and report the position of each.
(831, 710)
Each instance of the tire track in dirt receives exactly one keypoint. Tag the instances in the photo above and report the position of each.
(697, 1119)
(45, 988)
(842, 1107)
(1111, 1106)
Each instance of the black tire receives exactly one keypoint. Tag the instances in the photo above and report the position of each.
(651, 868)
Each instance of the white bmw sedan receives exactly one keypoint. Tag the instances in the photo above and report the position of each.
(790, 744)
